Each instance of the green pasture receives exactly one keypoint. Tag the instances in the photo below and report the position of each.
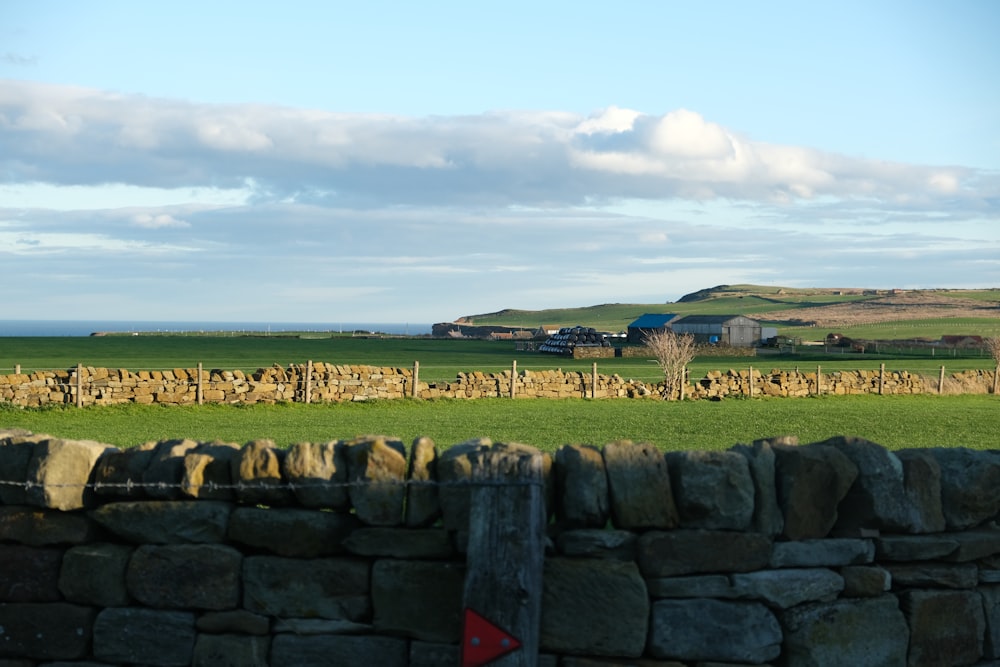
(893, 421)
(440, 360)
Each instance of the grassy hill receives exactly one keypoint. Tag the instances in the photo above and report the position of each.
(806, 313)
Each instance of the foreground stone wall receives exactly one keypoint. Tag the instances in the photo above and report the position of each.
(322, 382)
(350, 552)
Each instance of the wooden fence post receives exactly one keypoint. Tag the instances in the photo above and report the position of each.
(881, 379)
(513, 378)
(17, 369)
(819, 380)
(593, 381)
(506, 550)
(996, 380)
(199, 393)
(416, 379)
(751, 381)
(79, 385)
(941, 381)
(309, 377)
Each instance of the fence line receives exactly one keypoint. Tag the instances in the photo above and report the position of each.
(116, 385)
(265, 484)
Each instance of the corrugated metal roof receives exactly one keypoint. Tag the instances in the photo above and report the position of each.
(709, 319)
(652, 321)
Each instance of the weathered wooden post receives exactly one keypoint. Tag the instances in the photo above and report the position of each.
(593, 381)
(881, 378)
(941, 381)
(199, 393)
(751, 381)
(416, 379)
(996, 380)
(17, 370)
(504, 559)
(309, 378)
(819, 380)
(79, 385)
(513, 378)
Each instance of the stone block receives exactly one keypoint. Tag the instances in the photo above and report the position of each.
(94, 574)
(401, 542)
(423, 506)
(680, 552)
(418, 599)
(639, 487)
(207, 471)
(767, 516)
(317, 472)
(811, 481)
(331, 588)
(946, 627)
(256, 471)
(29, 574)
(191, 576)
(38, 527)
(231, 651)
(702, 630)
(134, 635)
(376, 468)
(341, 650)
(581, 487)
(164, 472)
(166, 522)
(712, 490)
(846, 632)
(302, 533)
(786, 588)
(593, 607)
(45, 631)
(61, 472)
(970, 485)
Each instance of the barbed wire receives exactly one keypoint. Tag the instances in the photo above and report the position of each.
(263, 485)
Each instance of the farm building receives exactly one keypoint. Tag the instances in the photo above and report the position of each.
(647, 324)
(735, 330)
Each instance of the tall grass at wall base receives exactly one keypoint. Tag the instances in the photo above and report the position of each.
(969, 420)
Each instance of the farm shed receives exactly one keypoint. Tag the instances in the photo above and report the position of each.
(647, 324)
(735, 330)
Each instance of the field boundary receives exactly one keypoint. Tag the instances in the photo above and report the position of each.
(318, 382)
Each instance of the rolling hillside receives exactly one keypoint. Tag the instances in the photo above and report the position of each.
(807, 313)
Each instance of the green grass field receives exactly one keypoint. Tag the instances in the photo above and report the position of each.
(893, 421)
(897, 421)
(440, 360)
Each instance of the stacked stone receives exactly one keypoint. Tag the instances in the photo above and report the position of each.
(339, 383)
(350, 552)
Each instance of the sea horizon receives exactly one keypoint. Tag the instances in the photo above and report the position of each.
(61, 328)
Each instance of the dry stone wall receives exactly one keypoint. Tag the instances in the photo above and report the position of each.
(322, 382)
(351, 552)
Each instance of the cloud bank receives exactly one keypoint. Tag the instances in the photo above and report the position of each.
(77, 136)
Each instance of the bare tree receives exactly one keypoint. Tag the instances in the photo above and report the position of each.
(673, 353)
(993, 345)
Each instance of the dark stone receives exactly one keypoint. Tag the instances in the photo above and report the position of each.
(418, 599)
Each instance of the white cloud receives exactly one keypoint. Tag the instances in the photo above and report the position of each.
(76, 136)
(150, 221)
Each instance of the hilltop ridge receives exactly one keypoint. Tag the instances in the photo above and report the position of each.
(828, 307)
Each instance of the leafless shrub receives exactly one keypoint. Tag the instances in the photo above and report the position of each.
(673, 353)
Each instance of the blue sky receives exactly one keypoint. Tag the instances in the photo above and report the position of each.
(422, 161)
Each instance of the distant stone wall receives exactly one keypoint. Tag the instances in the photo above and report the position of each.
(352, 553)
(323, 383)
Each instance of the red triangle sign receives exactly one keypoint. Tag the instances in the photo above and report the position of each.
(483, 642)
